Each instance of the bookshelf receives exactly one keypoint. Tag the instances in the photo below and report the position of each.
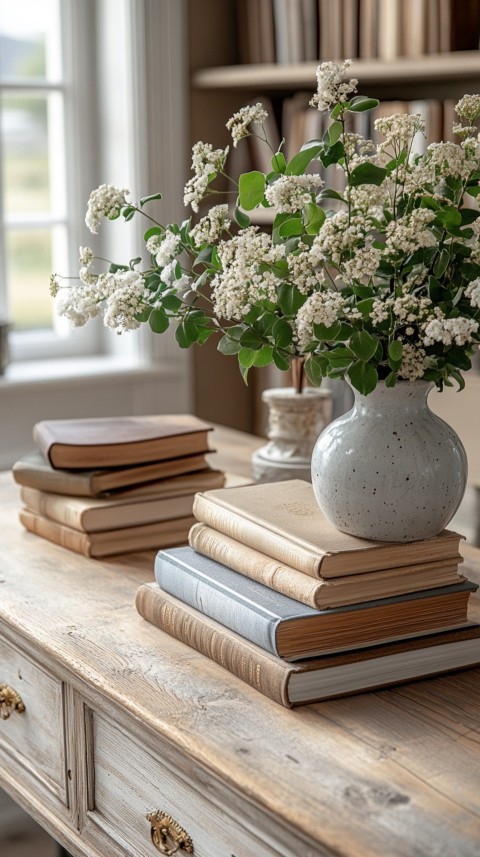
(220, 84)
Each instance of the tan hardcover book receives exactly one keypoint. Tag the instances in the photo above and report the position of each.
(368, 29)
(119, 441)
(34, 471)
(389, 29)
(350, 29)
(414, 27)
(316, 678)
(330, 28)
(161, 534)
(445, 25)
(309, 17)
(96, 514)
(352, 589)
(267, 31)
(283, 521)
(433, 26)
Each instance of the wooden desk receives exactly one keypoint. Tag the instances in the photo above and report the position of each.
(121, 719)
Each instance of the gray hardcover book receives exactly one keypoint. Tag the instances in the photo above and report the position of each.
(292, 630)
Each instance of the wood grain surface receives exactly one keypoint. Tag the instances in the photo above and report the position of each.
(395, 772)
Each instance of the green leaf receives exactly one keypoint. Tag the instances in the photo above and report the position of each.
(172, 303)
(246, 357)
(367, 173)
(395, 350)
(456, 357)
(282, 333)
(361, 103)
(299, 163)
(314, 217)
(228, 346)
(128, 213)
(441, 263)
(363, 377)
(365, 306)
(251, 188)
(113, 268)
(333, 154)
(149, 198)
(391, 379)
(143, 315)
(158, 320)
(473, 190)
(264, 357)
(363, 345)
(281, 362)
(154, 230)
(241, 218)
(334, 132)
(448, 217)
(134, 262)
(459, 379)
(186, 334)
(469, 215)
(290, 299)
(279, 163)
(315, 369)
(250, 339)
(327, 334)
(292, 226)
(328, 193)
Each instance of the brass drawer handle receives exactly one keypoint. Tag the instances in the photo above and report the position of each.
(167, 835)
(10, 701)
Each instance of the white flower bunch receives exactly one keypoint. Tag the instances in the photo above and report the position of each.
(378, 281)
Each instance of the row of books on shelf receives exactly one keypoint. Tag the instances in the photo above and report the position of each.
(114, 485)
(301, 612)
(294, 31)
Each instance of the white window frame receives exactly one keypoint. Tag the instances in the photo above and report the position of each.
(77, 88)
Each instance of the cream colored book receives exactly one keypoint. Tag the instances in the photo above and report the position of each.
(97, 514)
(352, 589)
(283, 521)
(161, 534)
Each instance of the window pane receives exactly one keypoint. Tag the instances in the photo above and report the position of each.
(29, 265)
(29, 34)
(25, 150)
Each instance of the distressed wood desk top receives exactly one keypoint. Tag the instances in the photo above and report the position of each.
(392, 773)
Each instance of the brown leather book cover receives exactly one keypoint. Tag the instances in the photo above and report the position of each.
(119, 441)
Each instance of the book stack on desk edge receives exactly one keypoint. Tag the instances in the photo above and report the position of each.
(105, 486)
(302, 612)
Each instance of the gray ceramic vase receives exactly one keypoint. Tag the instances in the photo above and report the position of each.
(390, 469)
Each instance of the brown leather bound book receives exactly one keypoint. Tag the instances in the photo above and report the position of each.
(316, 678)
(119, 441)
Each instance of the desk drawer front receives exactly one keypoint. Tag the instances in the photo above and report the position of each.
(128, 782)
(33, 740)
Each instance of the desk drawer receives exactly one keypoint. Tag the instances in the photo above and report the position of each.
(33, 742)
(127, 782)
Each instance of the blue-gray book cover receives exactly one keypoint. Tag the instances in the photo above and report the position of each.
(292, 630)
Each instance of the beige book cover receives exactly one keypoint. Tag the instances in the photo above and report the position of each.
(284, 521)
(96, 514)
(352, 589)
(161, 534)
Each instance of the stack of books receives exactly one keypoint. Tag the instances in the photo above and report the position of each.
(302, 612)
(115, 485)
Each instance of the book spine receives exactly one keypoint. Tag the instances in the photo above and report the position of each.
(54, 507)
(235, 655)
(56, 482)
(255, 536)
(54, 532)
(258, 566)
(184, 583)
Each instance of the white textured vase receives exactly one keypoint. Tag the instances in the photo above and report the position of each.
(390, 469)
(294, 423)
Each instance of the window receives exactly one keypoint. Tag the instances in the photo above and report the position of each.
(44, 181)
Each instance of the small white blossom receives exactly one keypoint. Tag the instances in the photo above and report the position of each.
(167, 249)
(468, 108)
(153, 244)
(206, 163)
(210, 228)
(105, 201)
(411, 232)
(291, 193)
(85, 256)
(241, 283)
(331, 86)
(414, 362)
(450, 330)
(472, 292)
(320, 308)
(302, 273)
(239, 123)
(398, 130)
(338, 235)
(363, 264)
(127, 298)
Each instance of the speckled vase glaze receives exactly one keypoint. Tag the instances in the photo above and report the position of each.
(390, 469)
